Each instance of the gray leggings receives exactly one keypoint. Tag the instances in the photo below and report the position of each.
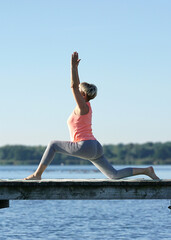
(90, 150)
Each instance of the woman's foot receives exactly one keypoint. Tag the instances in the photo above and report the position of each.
(150, 172)
(37, 174)
(33, 177)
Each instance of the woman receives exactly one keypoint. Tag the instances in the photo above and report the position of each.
(83, 144)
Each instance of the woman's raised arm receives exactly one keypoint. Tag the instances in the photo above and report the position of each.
(74, 70)
(80, 100)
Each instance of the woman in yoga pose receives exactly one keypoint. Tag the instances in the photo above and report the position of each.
(83, 144)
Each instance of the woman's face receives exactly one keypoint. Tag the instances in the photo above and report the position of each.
(83, 93)
(80, 88)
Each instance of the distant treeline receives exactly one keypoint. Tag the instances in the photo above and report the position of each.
(148, 153)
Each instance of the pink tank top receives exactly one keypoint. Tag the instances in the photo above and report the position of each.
(80, 126)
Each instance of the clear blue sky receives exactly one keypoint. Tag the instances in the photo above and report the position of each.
(125, 49)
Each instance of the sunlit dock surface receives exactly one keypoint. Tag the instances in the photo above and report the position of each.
(83, 189)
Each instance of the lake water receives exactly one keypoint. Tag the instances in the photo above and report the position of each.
(83, 219)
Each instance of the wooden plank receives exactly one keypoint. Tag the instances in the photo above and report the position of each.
(84, 189)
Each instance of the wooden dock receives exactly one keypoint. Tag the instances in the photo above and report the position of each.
(76, 189)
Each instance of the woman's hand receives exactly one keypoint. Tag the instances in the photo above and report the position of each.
(75, 60)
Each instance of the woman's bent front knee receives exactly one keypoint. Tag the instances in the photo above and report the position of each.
(52, 145)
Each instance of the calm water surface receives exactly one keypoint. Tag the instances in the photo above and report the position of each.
(83, 219)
